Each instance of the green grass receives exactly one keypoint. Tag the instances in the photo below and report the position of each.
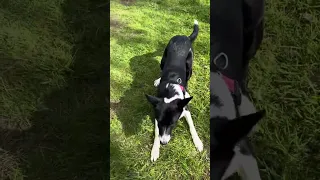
(54, 84)
(285, 81)
(53, 88)
(139, 34)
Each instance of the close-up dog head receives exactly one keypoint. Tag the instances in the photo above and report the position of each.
(167, 114)
(225, 134)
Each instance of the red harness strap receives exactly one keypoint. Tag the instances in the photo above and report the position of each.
(182, 88)
(233, 87)
(230, 83)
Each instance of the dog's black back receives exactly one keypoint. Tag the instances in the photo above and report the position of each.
(173, 64)
(177, 58)
(227, 37)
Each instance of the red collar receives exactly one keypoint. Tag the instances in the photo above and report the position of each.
(181, 87)
(229, 82)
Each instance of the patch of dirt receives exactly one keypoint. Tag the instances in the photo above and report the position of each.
(114, 106)
(128, 2)
(112, 114)
(115, 23)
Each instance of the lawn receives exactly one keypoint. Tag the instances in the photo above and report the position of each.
(53, 89)
(139, 33)
(284, 79)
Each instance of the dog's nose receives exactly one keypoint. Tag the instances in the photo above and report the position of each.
(163, 142)
(164, 139)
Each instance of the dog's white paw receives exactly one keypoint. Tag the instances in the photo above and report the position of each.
(197, 142)
(155, 153)
(157, 82)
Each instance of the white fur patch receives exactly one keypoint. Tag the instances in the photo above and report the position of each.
(178, 90)
(155, 152)
(196, 22)
(245, 165)
(166, 100)
(246, 107)
(157, 82)
(220, 89)
(249, 168)
(190, 50)
(233, 166)
(187, 95)
(165, 138)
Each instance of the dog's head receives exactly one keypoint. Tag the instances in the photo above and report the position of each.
(167, 115)
(225, 134)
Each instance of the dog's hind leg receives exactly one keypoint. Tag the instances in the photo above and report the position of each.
(196, 140)
(155, 152)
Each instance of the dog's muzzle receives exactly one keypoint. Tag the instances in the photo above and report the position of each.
(164, 139)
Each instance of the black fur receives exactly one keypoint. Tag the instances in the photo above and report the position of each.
(177, 59)
(176, 63)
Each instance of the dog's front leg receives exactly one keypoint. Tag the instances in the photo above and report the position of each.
(156, 144)
(196, 140)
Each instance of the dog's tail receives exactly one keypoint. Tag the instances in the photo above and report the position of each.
(195, 32)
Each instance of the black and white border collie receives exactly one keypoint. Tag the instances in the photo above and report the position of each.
(237, 34)
(171, 103)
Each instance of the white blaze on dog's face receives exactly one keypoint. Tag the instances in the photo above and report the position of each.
(165, 138)
(167, 115)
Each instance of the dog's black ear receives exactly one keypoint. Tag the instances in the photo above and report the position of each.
(153, 100)
(182, 103)
(238, 128)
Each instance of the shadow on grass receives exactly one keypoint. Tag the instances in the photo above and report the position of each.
(132, 107)
(119, 166)
(69, 137)
(201, 11)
